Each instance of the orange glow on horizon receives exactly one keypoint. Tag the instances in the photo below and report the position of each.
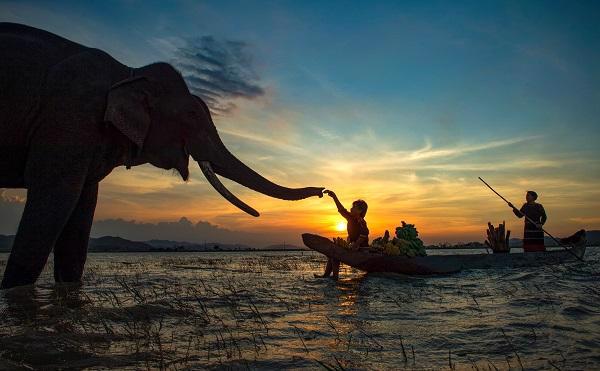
(445, 209)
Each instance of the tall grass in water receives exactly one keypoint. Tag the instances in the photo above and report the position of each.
(267, 311)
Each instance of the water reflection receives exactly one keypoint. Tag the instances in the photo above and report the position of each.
(22, 303)
(349, 289)
(30, 302)
(37, 326)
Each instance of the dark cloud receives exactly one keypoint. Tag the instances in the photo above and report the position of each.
(10, 198)
(182, 230)
(12, 203)
(218, 71)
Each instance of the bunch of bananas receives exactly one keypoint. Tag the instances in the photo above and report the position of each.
(407, 232)
(390, 249)
(405, 243)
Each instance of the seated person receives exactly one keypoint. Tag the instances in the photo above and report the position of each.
(358, 233)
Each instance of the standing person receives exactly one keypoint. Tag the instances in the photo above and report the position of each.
(358, 232)
(533, 237)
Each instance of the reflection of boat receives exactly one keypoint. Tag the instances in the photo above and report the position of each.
(437, 264)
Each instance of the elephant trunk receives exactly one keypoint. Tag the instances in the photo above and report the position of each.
(222, 162)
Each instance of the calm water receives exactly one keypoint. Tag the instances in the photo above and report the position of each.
(266, 311)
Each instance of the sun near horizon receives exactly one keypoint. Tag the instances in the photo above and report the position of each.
(340, 226)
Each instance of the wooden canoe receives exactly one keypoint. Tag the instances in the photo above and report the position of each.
(436, 264)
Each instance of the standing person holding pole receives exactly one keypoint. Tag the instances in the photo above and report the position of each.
(533, 236)
(559, 243)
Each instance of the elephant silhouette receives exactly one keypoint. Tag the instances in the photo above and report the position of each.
(69, 115)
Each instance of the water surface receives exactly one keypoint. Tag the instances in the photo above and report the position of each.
(265, 310)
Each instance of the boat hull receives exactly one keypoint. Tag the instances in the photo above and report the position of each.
(437, 264)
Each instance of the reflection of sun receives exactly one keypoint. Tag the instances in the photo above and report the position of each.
(341, 226)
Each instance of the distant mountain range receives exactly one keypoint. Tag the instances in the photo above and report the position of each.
(118, 244)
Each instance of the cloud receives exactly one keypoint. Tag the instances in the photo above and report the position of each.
(271, 142)
(429, 152)
(182, 230)
(11, 198)
(586, 220)
(426, 158)
(218, 71)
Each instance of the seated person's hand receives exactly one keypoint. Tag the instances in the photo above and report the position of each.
(329, 193)
(353, 245)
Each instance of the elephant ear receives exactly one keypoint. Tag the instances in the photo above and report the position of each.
(128, 108)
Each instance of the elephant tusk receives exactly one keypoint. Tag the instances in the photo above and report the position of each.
(219, 187)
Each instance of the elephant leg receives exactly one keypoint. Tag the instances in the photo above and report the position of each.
(70, 250)
(52, 194)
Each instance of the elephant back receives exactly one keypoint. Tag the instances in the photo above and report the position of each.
(27, 55)
(40, 43)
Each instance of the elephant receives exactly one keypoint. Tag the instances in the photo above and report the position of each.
(69, 115)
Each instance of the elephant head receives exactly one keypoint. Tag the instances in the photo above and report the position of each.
(167, 124)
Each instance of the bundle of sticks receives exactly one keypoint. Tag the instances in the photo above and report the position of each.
(497, 238)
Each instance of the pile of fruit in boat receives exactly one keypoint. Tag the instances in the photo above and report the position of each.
(341, 242)
(406, 242)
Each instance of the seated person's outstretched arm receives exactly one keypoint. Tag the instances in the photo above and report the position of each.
(341, 209)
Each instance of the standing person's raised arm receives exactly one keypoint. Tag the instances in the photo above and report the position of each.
(517, 212)
(341, 209)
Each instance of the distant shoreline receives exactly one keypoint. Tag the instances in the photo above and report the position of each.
(295, 249)
(186, 251)
(267, 250)
(113, 244)
(458, 248)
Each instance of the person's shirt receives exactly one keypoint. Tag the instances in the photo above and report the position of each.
(534, 211)
(357, 227)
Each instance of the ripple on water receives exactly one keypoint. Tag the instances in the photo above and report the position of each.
(266, 311)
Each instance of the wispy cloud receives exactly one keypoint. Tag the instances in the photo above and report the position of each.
(584, 220)
(380, 159)
(429, 152)
(326, 134)
(272, 142)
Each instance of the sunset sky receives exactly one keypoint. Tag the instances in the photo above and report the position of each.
(402, 104)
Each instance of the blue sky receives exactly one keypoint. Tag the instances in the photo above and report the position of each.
(403, 103)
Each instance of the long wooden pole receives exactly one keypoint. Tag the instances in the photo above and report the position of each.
(533, 222)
